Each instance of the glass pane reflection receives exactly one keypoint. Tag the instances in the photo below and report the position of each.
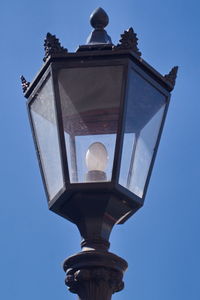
(145, 110)
(90, 99)
(45, 129)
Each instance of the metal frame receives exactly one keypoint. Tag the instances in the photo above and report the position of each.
(161, 88)
(85, 59)
(84, 187)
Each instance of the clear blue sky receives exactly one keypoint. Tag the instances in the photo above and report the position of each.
(161, 242)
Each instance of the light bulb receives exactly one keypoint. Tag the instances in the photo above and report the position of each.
(96, 157)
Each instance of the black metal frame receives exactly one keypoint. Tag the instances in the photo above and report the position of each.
(128, 60)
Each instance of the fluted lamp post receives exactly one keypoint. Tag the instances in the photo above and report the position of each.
(96, 117)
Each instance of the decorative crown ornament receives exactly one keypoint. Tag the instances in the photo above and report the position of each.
(25, 83)
(52, 46)
(171, 76)
(129, 41)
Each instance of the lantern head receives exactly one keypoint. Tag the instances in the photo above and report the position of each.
(97, 117)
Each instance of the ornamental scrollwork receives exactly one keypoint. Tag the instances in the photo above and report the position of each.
(96, 275)
(171, 76)
(52, 46)
(25, 83)
(129, 41)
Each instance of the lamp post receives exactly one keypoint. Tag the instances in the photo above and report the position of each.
(96, 117)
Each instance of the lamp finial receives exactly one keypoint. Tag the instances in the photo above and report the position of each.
(99, 18)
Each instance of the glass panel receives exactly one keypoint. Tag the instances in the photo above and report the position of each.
(90, 99)
(145, 108)
(45, 130)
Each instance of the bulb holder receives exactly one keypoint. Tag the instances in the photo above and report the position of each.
(96, 175)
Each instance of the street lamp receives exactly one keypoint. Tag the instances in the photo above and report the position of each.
(96, 117)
